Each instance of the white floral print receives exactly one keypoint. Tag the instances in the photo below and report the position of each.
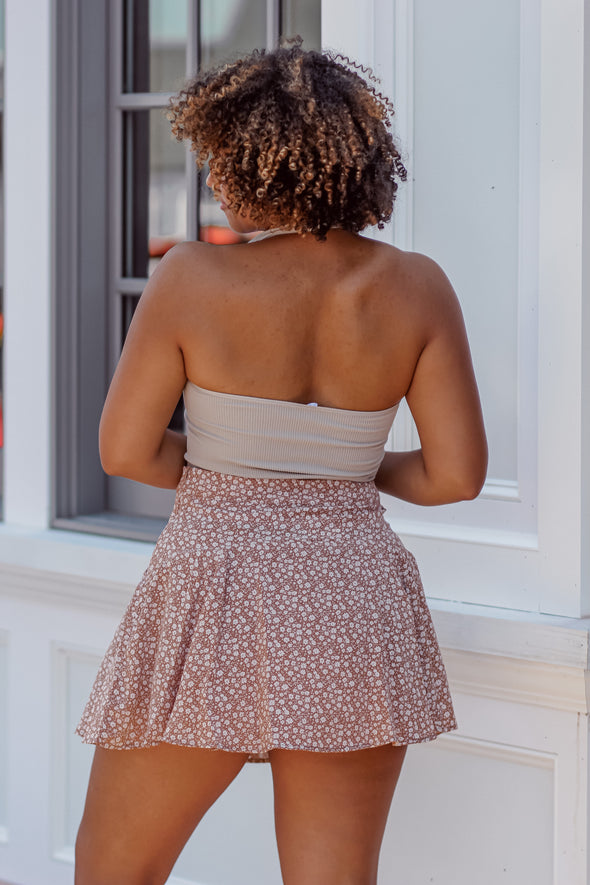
(273, 613)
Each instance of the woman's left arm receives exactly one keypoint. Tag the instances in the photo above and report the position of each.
(134, 439)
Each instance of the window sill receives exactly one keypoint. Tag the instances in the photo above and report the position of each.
(529, 636)
(74, 555)
(79, 569)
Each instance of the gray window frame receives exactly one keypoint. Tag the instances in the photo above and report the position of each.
(87, 242)
(80, 256)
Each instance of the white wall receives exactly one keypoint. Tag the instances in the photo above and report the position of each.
(503, 799)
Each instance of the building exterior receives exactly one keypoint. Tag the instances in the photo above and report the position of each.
(493, 113)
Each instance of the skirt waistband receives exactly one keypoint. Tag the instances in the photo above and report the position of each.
(288, 493)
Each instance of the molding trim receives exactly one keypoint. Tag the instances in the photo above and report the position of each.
(458, 743)
(560, 642)
(518, 660)
(501, 490)
(517, 681)
(58, 588)
(464, 534)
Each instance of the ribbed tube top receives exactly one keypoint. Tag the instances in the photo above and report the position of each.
(258, 437)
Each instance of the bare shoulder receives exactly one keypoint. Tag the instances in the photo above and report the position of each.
(181, 261)
(173, 280)
(423, 285)
(426, 278)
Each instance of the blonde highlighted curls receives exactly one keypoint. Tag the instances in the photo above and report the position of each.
(299, 139)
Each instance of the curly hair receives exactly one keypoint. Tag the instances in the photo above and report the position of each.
(297, 137)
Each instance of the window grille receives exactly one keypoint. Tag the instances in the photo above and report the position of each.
(126, 193)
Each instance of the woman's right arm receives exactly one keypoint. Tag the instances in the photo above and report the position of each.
(444, 401)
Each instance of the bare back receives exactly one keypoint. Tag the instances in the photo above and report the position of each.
(348, 323)
(292, 318)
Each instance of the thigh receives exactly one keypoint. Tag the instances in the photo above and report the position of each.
(141, 808)
(330, 813)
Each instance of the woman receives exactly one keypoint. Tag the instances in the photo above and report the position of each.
(280, 618)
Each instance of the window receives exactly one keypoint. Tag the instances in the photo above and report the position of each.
(126, 192)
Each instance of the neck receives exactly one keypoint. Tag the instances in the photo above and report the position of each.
(272, 232)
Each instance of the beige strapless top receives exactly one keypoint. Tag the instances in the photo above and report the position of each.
(258, 437)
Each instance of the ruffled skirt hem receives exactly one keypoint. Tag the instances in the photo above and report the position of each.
(258, 754)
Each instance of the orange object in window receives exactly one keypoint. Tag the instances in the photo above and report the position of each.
(212, 233)
(219, 236)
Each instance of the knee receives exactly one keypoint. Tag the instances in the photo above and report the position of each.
(90, 874)
(105, 865)
(331, 877)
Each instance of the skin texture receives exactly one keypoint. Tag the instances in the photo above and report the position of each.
(142, 806)
(348, 323)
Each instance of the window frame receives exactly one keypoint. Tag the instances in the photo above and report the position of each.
(91, 104)
(80, 251)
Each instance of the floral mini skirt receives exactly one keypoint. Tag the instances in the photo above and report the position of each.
(274, 613)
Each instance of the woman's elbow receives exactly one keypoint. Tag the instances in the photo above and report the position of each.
(471, 490)
(470, 481)
(112, 465)
(462, 482)
(113, 458)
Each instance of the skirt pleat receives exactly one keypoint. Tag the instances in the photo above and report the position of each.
(274, 613)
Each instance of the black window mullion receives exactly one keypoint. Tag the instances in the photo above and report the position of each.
(136, 46)
(135, 195)
(274, 25)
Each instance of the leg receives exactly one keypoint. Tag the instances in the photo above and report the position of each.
(330, 813)
(141, 808)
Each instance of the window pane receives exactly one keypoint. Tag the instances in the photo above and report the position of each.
(230, 28)
(303, 18)
(227, 30)
(155, 36)
(154, 189)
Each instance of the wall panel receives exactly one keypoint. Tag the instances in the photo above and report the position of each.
(467, 99)
(449, 785)
(73, 674)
